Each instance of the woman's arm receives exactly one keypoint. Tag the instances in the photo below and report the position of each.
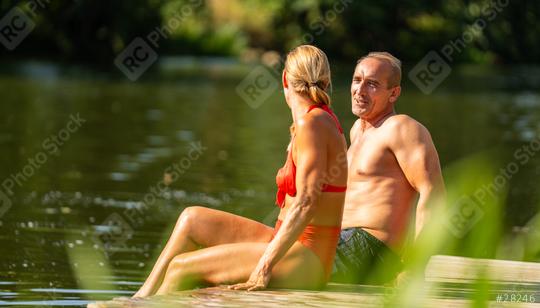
(311, 161)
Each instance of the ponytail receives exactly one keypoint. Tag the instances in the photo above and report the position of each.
(308, 73)
(318, 95)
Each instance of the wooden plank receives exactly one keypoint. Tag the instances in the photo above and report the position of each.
(452, 288)
(467, 270)
(353, 297)
(223, 297)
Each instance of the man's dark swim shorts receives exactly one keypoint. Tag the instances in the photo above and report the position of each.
(361, 258)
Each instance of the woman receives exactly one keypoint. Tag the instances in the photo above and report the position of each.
(214, 247)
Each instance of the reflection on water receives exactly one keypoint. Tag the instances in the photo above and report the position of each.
(88, 221)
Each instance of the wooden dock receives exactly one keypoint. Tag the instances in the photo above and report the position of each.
(449, 282)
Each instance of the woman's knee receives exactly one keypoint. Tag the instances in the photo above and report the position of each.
(192, 211)
(189, 216)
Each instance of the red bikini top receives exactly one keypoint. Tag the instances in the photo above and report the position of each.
(286, 176)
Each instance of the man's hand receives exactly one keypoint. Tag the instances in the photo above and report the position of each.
(257, 281)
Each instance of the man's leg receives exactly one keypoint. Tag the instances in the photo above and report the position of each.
(203, 227)
(233, 263)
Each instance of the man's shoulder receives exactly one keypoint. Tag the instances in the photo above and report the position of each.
(354, 128)
(403, 126)
(402, 121)
(356, 124)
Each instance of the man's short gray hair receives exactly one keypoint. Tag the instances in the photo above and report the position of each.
(395, 77)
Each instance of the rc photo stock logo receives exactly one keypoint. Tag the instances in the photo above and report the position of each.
(262, 81)
(428, 74)
(112, 234)
(258, 86)
(433, 69)
(16, 25)
(138, 56)
(463, 215)
(135, 59)
(5, 203)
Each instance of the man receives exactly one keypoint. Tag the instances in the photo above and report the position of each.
(392, 161)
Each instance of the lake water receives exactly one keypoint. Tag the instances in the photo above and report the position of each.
(83, 211)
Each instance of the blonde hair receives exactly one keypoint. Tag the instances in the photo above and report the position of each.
(395, 78)
(308, 72)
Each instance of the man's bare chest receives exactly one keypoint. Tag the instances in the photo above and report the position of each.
(370, 154)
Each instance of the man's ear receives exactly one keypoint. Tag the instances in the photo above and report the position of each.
(396, 91)
(284, 80)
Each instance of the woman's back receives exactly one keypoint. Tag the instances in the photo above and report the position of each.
(329, 208)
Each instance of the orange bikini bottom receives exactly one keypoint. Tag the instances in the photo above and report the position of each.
(322, 240)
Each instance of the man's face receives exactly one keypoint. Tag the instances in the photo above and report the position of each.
(370, 94)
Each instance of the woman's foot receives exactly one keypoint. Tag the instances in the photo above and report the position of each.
(141, 293)
(121, 298)
(122, 301)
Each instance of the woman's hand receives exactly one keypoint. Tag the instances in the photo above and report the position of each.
(257, 281)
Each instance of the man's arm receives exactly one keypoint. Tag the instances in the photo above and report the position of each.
(416, 154)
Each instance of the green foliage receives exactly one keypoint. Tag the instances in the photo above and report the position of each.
(468, 224)
(96, 31)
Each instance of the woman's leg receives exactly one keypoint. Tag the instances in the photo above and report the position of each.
(233, 263)
(203, 227)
